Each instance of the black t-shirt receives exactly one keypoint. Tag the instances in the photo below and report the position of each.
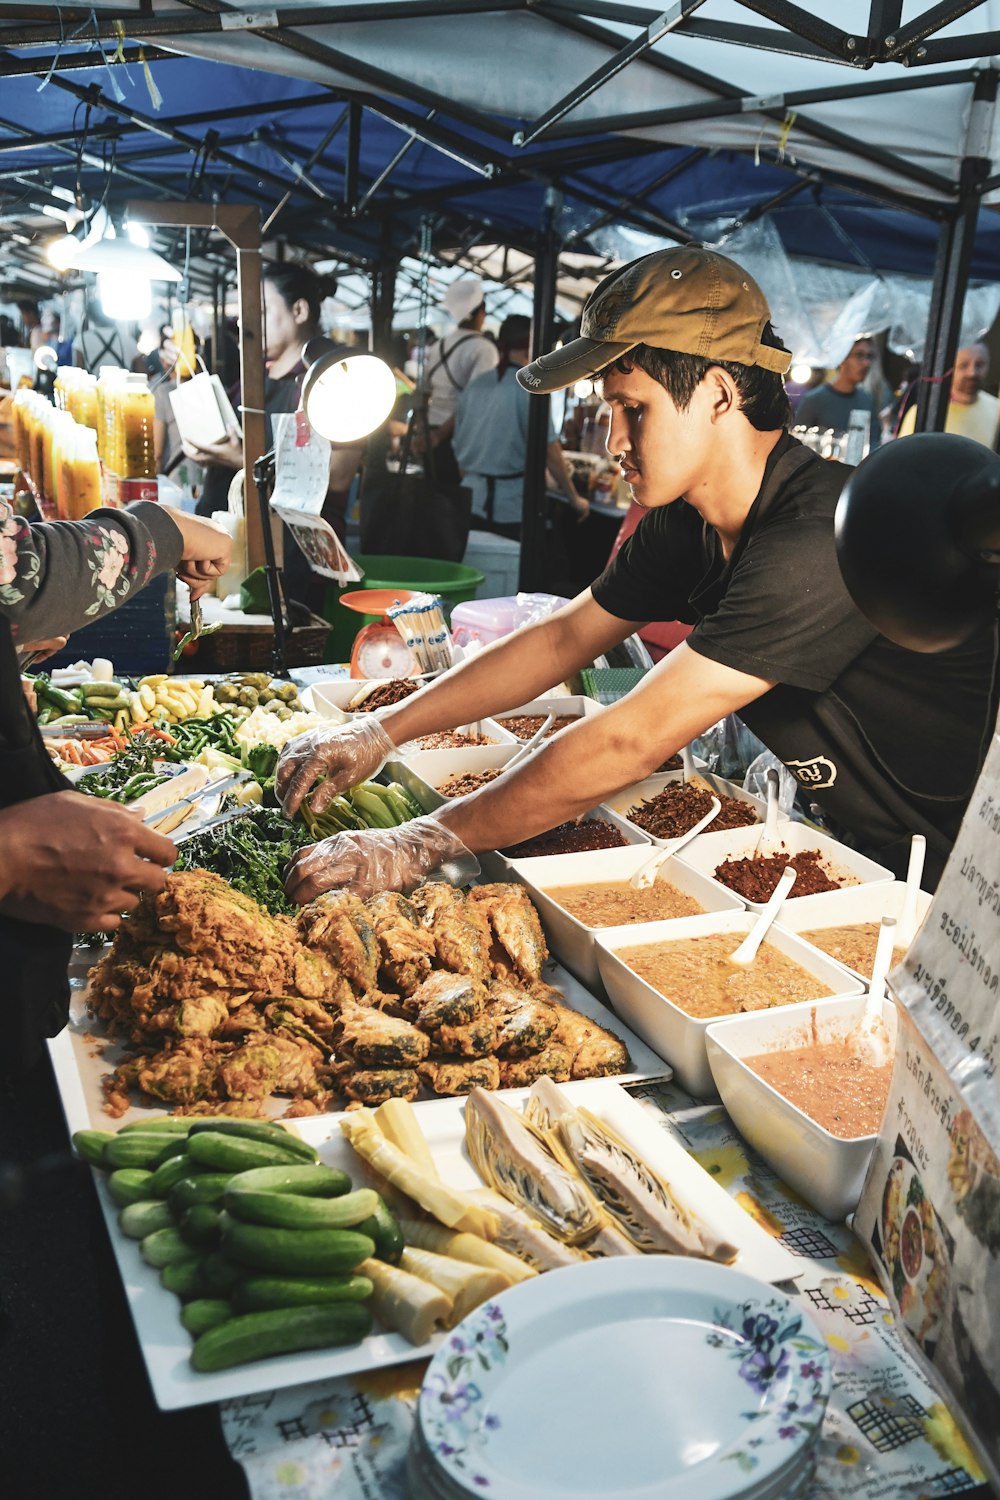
(888, 741)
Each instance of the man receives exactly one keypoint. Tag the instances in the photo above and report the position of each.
(491, 435)
(831, 404)
(453, 361)
(972, 413)
(738, 542)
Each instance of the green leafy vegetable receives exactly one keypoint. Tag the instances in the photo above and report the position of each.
(251, 852)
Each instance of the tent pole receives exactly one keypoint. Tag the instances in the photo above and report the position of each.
(383, 299)
(951, 272)
(532, 575)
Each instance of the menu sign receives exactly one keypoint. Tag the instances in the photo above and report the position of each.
(930, 1210)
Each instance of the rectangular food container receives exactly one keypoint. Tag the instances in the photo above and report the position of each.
(644, 791)
(708, 850)
(572, 941)
(859, 903)
(667, 1028)
(571, 706)
(826, 1170)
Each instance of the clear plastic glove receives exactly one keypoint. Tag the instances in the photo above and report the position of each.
(380, 859)
(344, 754)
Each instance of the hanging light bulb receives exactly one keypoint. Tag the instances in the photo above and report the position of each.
(62, 251)
(126, 298)
(800, 373)
(346, 393)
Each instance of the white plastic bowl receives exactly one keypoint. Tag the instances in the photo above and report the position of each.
(859, 903)
(667, 1028)
(708, 851)
(566, 706)
(644, 791)
(827, 1171)
(572, 941)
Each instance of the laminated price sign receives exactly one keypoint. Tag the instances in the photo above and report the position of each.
(302, 475)
(930, 1210)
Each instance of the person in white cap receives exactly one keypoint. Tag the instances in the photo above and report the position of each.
(737, 541)
(459, 357)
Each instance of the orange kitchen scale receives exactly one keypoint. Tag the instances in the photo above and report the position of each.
(379, 649)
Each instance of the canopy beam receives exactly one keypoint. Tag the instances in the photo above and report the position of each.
(532, 572)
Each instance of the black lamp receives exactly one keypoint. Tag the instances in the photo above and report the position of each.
(346, 394)
(918, 539)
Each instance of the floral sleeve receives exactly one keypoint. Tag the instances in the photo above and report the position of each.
(55, 577)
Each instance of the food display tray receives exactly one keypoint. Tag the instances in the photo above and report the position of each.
(166, 1345)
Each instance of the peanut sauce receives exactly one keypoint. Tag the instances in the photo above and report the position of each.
(614, 903)
(696, 975)
(830, 1083)
(853, 944)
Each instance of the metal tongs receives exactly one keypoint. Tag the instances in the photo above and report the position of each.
(197, 628)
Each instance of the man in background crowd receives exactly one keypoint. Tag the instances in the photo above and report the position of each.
(831, 404)
(972, 413)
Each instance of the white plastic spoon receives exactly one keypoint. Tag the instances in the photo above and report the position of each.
(687, 763)
(747, 951)
(647, 873)
(529, 745)
(870, 1040)
(907, 929)
(768, 842)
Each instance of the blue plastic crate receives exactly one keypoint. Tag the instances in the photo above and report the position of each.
(137, 638)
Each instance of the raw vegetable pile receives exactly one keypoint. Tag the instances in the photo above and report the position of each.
(261, 1242)
(251, 852)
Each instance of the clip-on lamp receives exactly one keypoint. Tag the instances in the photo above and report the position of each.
(346, 394)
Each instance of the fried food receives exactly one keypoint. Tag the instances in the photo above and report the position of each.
(596, 1053)
(376, 1040)
(337, 924)
(457, 1076)
(524, 1023)
(555, 1061)
(406, 950)
(459, 927)
(376, 1085)
(516, 926)
(447, 1000)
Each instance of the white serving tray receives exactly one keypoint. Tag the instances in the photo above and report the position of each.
(82, 1054)
(166, 1345)
(644, 791)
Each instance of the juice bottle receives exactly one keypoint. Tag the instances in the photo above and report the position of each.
(108, 384)
(82, 474)
(63, 429)
(138, 414)
(83, 405)
(41, 448)
(20, 408)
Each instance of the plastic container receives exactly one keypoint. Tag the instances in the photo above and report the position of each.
(487, 620)
(137, 455)
(80, 475)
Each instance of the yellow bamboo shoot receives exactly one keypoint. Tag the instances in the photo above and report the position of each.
(398, 1123)
(469, 1247)
(467, 1285)
(405, 1303)
(453, 1209)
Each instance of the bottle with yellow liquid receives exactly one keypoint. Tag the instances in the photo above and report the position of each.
(81, 473)
(63, 430)
(20, 414)
(108, 384)
(83, 404)
(138, 447)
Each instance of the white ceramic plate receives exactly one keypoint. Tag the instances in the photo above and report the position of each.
(166, 1346)
(594, 1350)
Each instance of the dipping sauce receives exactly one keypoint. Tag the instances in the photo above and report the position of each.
(829, 1083)
(569, 838)
(755, 879)
(695, 973)
(447, 739)
(462, 782)
(679, 806)
(613, 903)
(525, 725)
(852, 945)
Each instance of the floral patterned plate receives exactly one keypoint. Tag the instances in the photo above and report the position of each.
(629, 1379)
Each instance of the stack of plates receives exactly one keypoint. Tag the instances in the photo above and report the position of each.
(629, 1379)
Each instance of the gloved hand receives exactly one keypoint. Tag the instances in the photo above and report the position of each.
(345, 754)
(379, 859)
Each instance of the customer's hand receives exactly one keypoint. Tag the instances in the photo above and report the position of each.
(378, 859)
(580, 505)
(228, 454)
(344, 754)
(77, 862)
(206, 554)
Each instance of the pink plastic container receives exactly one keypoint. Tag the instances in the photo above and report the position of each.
(486, 620)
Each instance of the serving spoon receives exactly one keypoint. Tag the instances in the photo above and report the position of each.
(907, 929)
(747, 951)
(647, 873)
(529, 745)
(870, 1040)
(768, 842)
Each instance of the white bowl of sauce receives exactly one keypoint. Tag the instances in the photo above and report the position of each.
(820, 1145)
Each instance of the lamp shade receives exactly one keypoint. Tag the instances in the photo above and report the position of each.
(918, 539)
(346, 392)
(124, 257)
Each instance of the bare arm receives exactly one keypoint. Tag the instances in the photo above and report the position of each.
(579, 767)
(510, 671)
(557, 463)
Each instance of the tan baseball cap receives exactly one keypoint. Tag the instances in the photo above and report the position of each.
(688, 299)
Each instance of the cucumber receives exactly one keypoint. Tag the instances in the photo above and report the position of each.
(295, 1211)
(164, 1246)
(175, 1169)
(383, 1229)
(201, 1225)
(140, 1149)
(285, 1330)
(130, 1185)
(218, 1274)
(169, 1124)
(235, 1153)
(315, 1182)
(209, 1187)
(257, 1293)
(137, 1220)
(260, 1130)
(296, 1252)
(184, 1278)
(91, 1145)
(204, 1313)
